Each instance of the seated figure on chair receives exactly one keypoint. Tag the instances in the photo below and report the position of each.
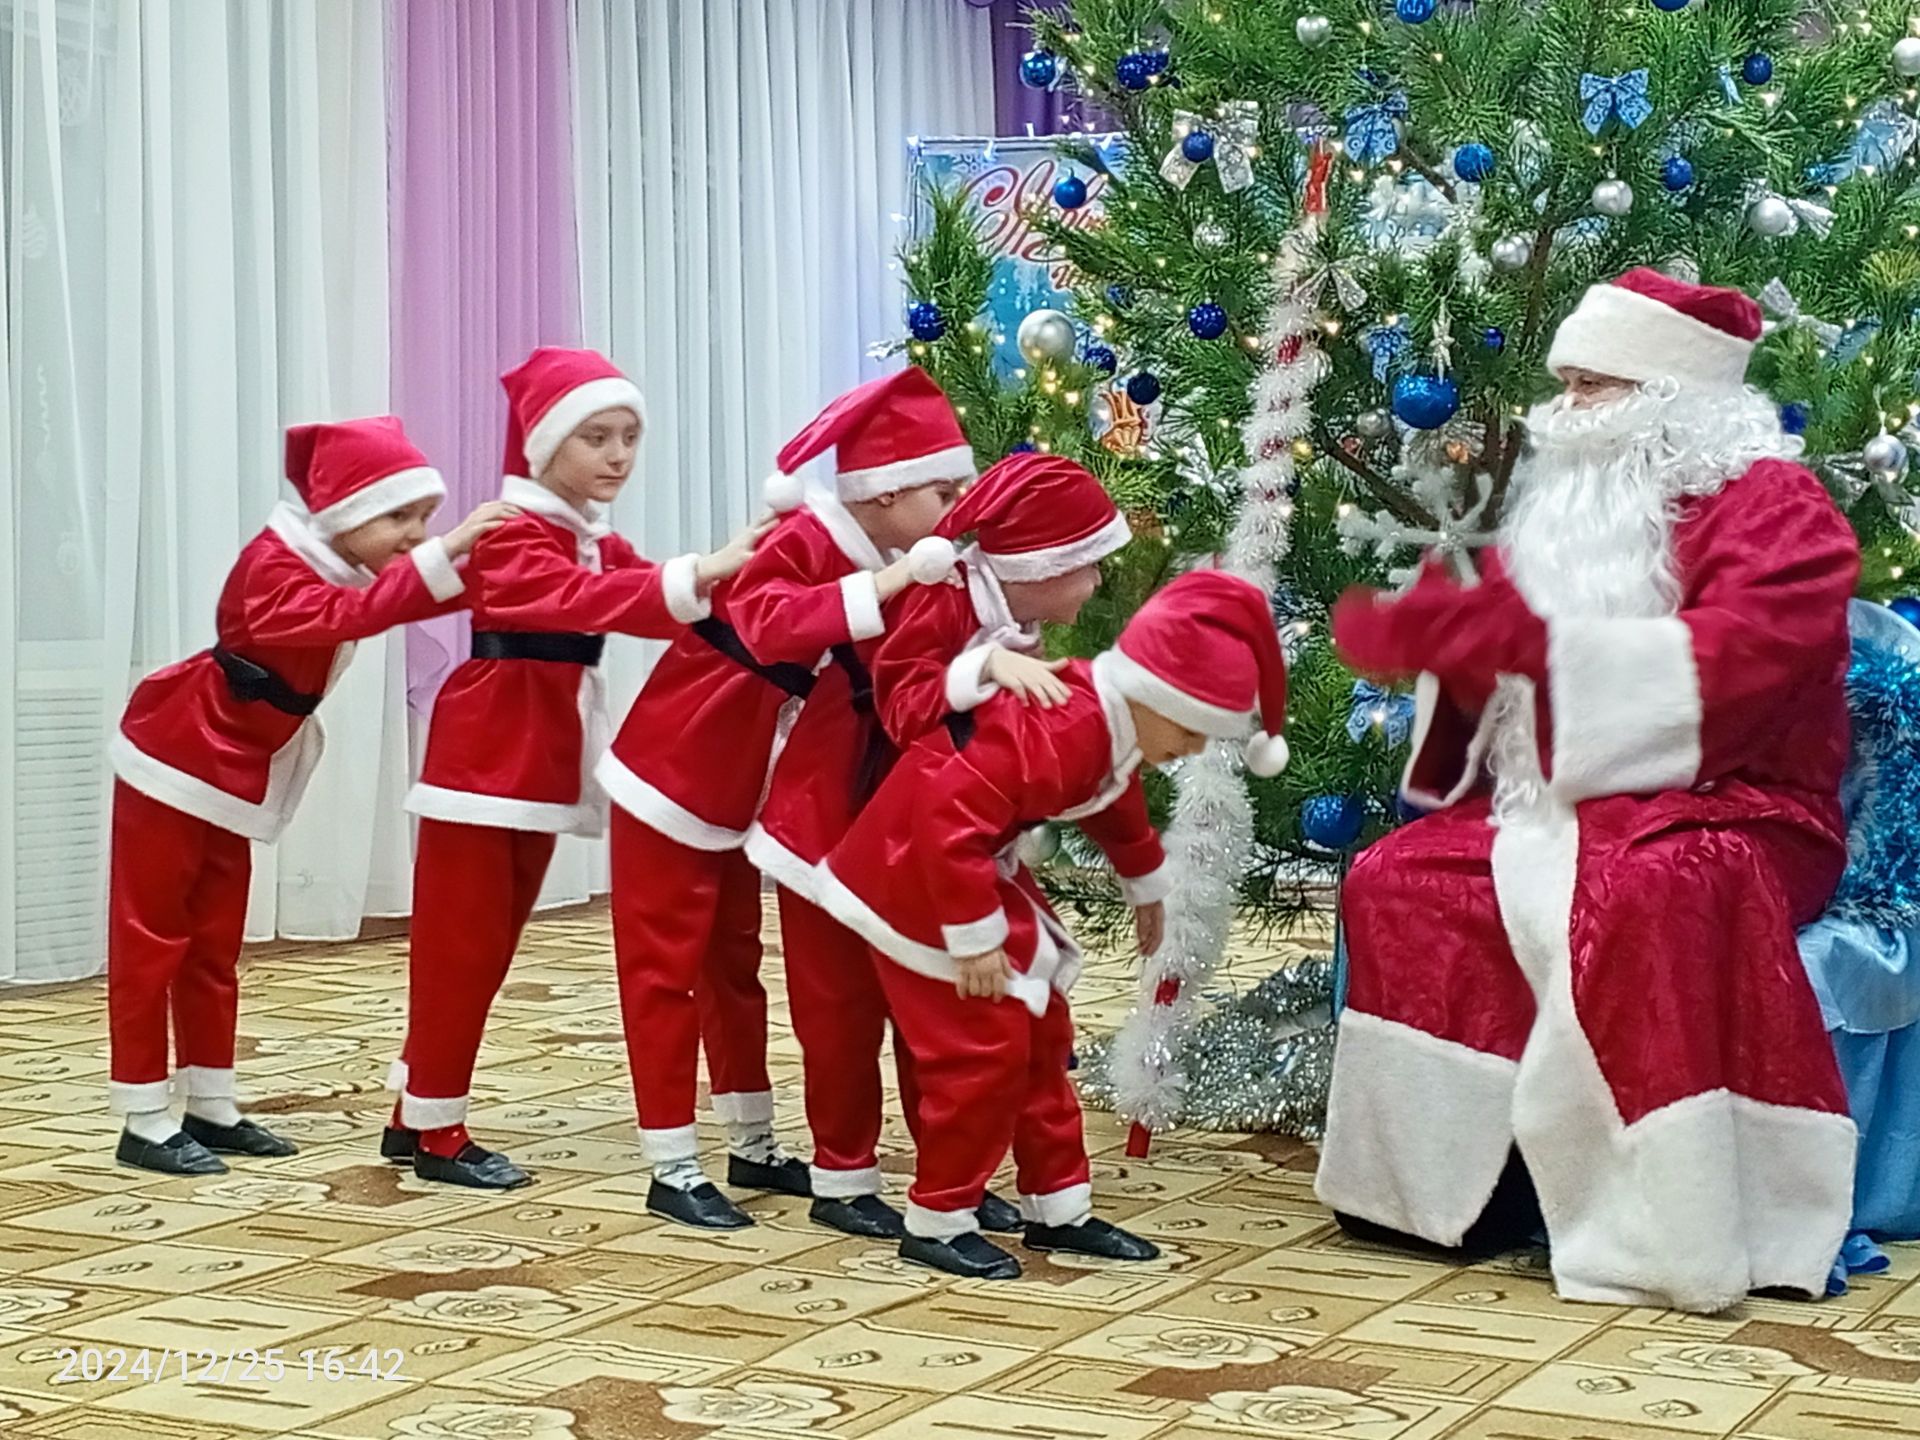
(1576, 978)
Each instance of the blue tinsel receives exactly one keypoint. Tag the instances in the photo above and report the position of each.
(1882, 882)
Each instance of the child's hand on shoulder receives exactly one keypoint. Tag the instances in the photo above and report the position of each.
(732, 557)
(1032, 681)
(490, 516)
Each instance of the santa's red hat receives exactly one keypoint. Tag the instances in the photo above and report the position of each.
(889, 434)
(1204, 652)
(549, 394)
(352, 471)
(1037, 516)
(1648, 326)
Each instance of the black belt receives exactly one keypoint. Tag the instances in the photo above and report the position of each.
(960, 726)
(796, 680)
(561, 647)
(249, 680)
(877, 755)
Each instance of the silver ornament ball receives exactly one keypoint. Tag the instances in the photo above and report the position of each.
(1210, 235)
(1613, 197)
(1885, 455)
(1046, 336)
(1372, 424)
(1906, 56)
(1770, 216)
(1313, 31)
(1512, 252)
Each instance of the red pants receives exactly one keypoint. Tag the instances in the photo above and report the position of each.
(840, 1019)
(176, 913)
(990, 1076)
(686, 944)
(473, 888)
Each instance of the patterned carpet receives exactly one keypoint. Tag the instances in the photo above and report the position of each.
(565, 1312)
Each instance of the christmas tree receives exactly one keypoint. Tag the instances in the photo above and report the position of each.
(1324, 286)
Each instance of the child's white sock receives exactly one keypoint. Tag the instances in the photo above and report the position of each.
(753, 1140)
(683, 1174)
(214, 1109)
(154, 1126)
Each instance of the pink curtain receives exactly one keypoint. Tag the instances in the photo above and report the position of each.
(483, 252)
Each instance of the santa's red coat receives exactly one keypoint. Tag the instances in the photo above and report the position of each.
(1610, 979)
(293, 605)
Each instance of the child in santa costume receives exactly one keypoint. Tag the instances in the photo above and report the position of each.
(929, 877)
(1052, 523)
(688, 768)
(517, 729)
(213, 754)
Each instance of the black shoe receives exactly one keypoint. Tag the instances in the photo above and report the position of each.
(475, 1167)
(703, 1206)
(1510, 1222)
(971, 1256)
(786, 1176)
(398, 1142)
(867, 1216)
(998, 1217)
(1091, 1237)
(241, 1138)
(178, 1154)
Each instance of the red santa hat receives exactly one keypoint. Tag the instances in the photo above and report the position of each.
(353, 471)
(549, 395)
(1037, 516)
(889, 434)
(1204, 652)
(1649, 326)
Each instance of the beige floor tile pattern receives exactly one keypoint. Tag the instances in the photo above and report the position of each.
(566, 1312)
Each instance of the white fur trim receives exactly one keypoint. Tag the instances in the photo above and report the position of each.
(397, 1076)
(783, 492)
(1418, 1128)
(976, 937)
(1148, 889)
(779, 864)
(680, 587)
(940, 1224)
(1634, 337)
(505, 812)
(437, 1113)
(931, 559)
(658, 1147)
(650, 807)
(296, 530)
(287, 775)
(567, 414)
(1071, 1206)
(1138, 683)
(1045, 564)
(849, 536)
(1267, 755)
(860, 598)
(1626, 706)
(443, 582)
(200, 1082)
(1426, 701)
(744, 1107)
(967, 686)
(126, 1097)
(536, 499)
(382, 497)
(844, 1184)
(954, 463)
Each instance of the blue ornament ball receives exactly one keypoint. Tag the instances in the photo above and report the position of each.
(1793, 418)
(1197, 147)
(1039, 69)
(1134, 71)
(1102, 358)
(1119, 296)
(1494, 338)
(1670, 6)
(1426, 402)
(1907, 607)
(1207, 320)
(1757, 68)
(1025, 447)
(1677, 173)
(925, 321)
(1473, 162)
(1070, 193)
(1414, 12)
(1157, 61)
(1333, 821)
(1144, 388)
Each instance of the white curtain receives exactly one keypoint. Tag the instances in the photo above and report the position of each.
(195, 222)
(740, 167)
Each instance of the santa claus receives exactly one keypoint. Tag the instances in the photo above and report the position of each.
(1576, 979)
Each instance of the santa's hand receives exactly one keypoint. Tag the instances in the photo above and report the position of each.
(983, 977)
(731, 557)
(1464, 633)
(1036, 682)
(1150, 925)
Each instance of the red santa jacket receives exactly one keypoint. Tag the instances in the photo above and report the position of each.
(285, 626)
(938, 641)
(928, 872)
(513, 741)
(692, 757)
(1742, 691)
